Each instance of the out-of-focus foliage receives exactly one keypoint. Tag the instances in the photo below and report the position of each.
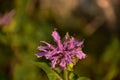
(23, 23)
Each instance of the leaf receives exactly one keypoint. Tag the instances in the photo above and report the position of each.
(52, 75)
(71, 76)
(83, 78)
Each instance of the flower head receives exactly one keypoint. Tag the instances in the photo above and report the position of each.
(64, 53)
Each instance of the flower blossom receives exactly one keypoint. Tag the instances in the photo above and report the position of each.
(64, 53)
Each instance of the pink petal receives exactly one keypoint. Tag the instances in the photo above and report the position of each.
(56, 38)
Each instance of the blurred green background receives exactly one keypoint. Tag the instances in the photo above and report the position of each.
(23, 23)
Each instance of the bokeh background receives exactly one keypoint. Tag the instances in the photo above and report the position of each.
(23, 23)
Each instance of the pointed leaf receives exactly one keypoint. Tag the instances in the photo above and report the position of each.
(52, 75)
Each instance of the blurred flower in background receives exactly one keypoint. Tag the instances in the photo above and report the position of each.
(6, 18)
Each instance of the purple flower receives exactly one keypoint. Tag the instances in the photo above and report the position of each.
(64, 53)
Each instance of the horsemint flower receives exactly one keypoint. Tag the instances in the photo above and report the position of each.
(64, 53)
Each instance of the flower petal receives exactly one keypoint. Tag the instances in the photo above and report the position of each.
(56, 38)
(49, 45)
(63, 63)
(80, 55)
(68, 57)
(71, 44)
(79, 44)
(54, 62)
(40, 54)
(43, 48)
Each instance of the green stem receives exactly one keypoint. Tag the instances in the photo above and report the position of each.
(65, 74)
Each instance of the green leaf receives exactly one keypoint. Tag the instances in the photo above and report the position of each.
(52, 75)
(83, 78)
(71, 76)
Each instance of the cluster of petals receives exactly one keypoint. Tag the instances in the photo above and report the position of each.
(63, 53)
